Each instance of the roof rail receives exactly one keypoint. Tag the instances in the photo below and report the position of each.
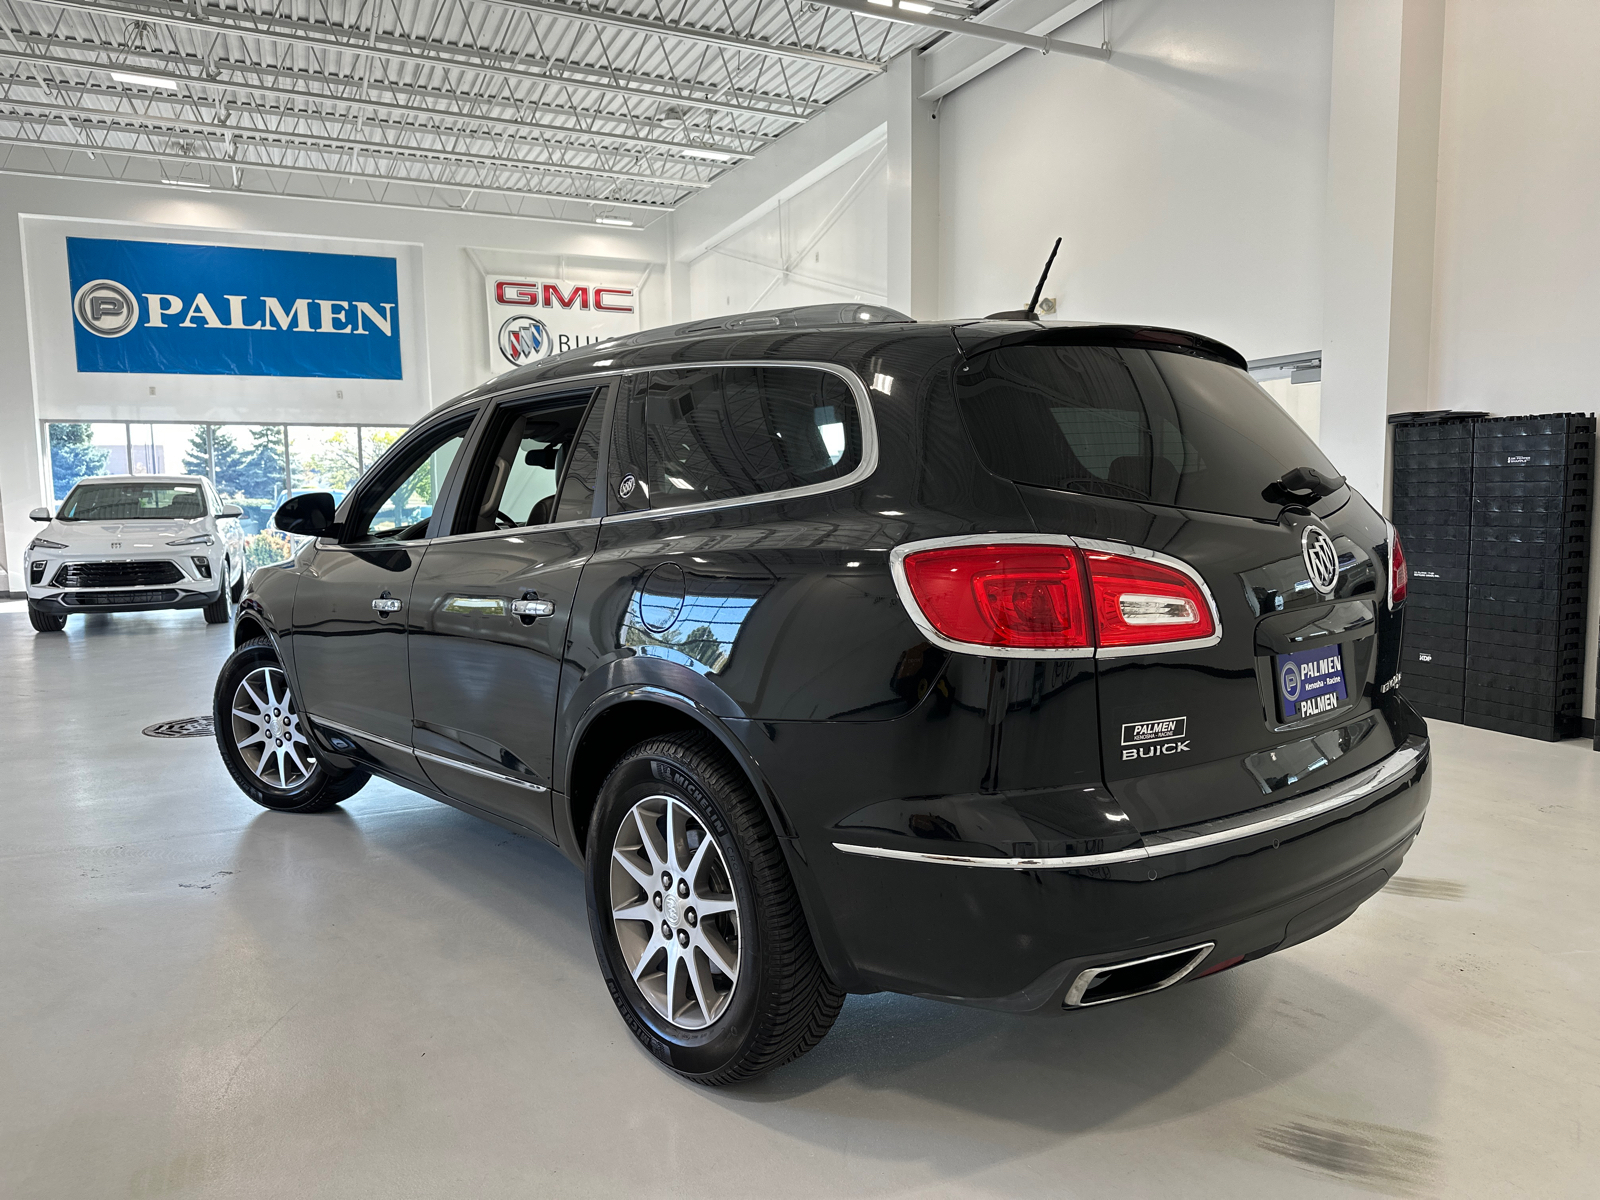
(809, 316)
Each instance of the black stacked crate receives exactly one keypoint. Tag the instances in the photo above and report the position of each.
(1433, 513)
(1528, 577)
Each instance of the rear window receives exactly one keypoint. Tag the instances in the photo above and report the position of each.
(133, 502)
(1150, 425)
(705, 434)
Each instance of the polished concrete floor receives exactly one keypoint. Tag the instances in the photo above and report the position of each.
(200, 998)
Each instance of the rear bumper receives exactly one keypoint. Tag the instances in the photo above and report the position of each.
(1015, 938)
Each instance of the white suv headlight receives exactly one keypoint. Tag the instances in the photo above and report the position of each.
(45, 544)
(199, 539)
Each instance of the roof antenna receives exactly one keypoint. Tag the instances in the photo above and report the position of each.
(1031, 313)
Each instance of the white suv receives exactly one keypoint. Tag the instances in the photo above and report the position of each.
(131, 543)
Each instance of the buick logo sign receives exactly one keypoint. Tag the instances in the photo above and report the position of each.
(105, 308)
(524, 339)
(1322, 560)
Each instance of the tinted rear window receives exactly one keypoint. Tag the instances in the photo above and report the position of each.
(1147, 425)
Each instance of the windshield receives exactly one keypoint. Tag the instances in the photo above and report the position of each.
(133, 502)
(1147, 425)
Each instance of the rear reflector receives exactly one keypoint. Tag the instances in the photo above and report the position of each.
(1024, 596)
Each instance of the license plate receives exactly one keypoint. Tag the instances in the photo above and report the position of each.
(1309, 683)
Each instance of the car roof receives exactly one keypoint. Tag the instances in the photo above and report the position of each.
(669, 345)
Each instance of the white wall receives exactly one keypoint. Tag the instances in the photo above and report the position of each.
(1517, 255)
(825, 243)
(1186, 174)
(455, 321)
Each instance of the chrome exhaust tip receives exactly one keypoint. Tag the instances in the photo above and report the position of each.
(1136, 977)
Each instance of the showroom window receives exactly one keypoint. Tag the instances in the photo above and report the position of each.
(256, 467)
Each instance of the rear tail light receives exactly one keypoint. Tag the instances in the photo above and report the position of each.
(1061, 600)
(1397, 569)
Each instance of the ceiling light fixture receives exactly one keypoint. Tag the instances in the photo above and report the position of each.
(610, 220)
(149, 81)
(712, 155)
(189, 183)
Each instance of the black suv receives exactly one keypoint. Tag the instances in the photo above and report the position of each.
(1030, 667)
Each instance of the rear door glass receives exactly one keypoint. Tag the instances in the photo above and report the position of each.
(1134, 424)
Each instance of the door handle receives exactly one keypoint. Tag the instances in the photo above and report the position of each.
(532, 608)
(385, 605)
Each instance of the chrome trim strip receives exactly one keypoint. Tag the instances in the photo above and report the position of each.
(485, 772)
(862, 472)
(1194, 837)
(902, 587)
(1090, 975)
(450, 539)
(324, 723)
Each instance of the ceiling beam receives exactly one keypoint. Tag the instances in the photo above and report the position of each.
(144, 124)
(411, 51)
(324, 173)
(689, 33)
(652, 148)
(951, 62)
(182, 70)
(898, 12)
(460, 210)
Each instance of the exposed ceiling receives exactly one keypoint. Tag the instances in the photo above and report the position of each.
(538, 108)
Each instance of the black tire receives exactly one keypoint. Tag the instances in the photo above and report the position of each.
(783, 1002)
(45, 622)
(235, 590)
(219, 611)
(322, 786)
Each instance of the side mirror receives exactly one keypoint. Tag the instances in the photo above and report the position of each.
(310, 515)
(40, 514)
(229, 510)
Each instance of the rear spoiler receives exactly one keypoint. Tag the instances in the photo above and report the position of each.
(983, 336)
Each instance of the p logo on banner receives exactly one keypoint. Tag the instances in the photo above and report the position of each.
(106, 308)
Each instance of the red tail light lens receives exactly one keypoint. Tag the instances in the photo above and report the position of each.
(1042, 597)
(1143, 603)
(1022, 597)
(1397, 569)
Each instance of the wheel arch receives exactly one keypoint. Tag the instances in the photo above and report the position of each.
(619, 720)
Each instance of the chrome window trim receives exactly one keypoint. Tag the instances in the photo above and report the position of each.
(1194, 837)
(484, 772)
(897, 559)
(486, 534)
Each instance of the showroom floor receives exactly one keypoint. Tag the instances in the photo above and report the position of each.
(395, 1000)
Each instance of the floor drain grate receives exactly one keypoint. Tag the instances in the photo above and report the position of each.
(183, 727)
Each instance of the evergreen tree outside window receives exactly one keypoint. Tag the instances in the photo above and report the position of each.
(77, 452)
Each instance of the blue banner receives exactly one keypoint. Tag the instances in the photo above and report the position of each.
(172, 309)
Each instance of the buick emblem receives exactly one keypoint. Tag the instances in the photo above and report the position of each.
(1322, 559)
(625, 488)
(105, 308)
(524, 339)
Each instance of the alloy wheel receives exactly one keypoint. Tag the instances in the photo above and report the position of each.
(674, 911)
(266, 730)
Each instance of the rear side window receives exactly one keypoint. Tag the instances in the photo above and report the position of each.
(705, 434)
(1136, 424)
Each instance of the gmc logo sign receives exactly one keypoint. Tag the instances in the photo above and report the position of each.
(551, 295)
